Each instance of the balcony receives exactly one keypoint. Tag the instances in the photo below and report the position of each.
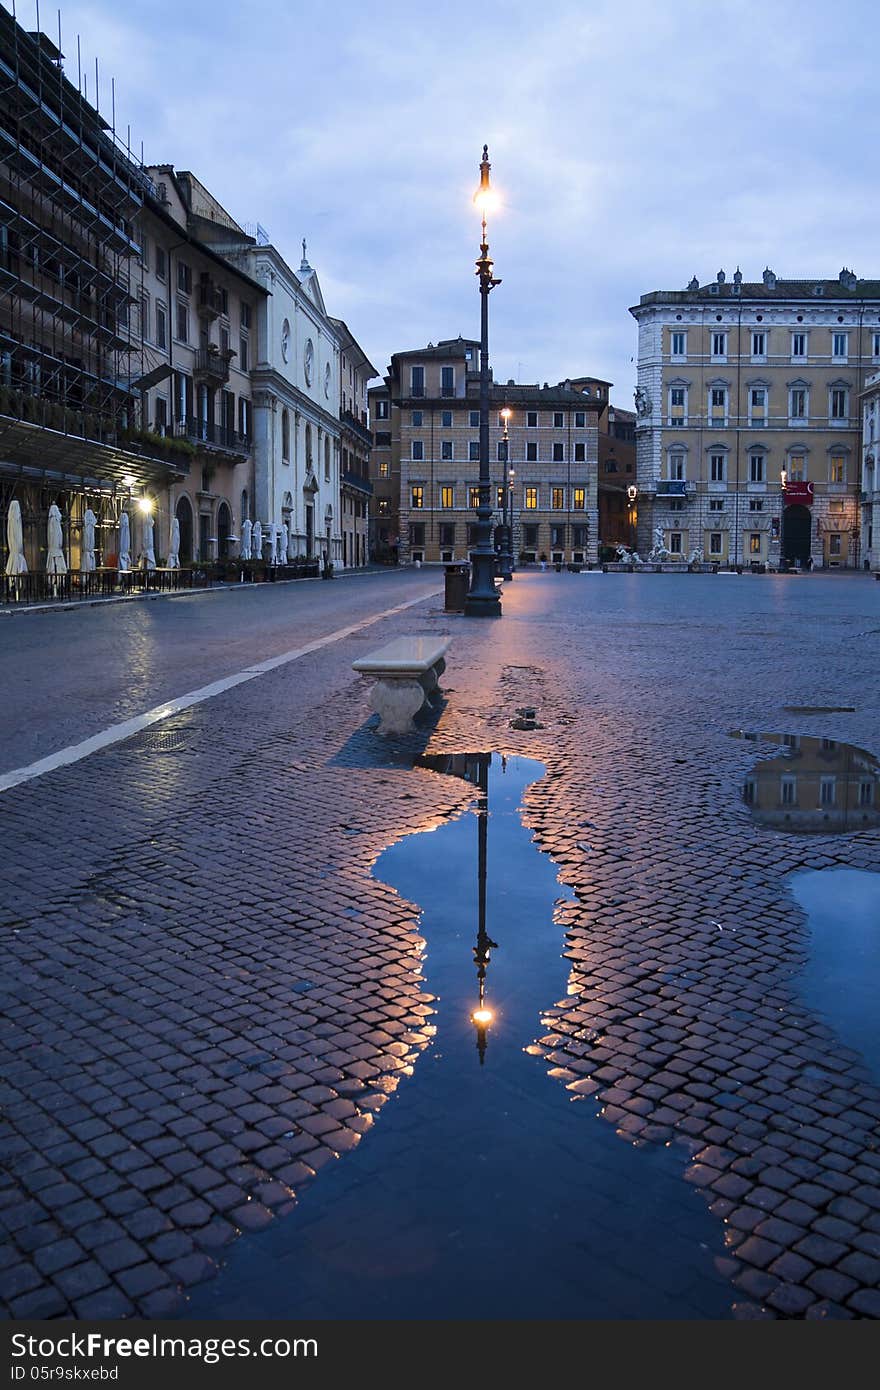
(357, 480)
(208, 435)
(210, 299)
(212, 365)
(358, 427)
(676, 487)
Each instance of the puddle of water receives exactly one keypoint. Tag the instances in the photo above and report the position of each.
(486, 1189)
(814, 786)
(842, 978)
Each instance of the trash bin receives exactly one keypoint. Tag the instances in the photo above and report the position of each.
(458, 578)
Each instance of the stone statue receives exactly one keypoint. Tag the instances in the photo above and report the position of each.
(642, 401)
(658, 552)
(696, 557)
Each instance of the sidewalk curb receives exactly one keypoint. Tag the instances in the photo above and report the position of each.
(15, 611)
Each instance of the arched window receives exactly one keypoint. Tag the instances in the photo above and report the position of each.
(326, 459)
(285, 436)
(309, 463)
(244, 504)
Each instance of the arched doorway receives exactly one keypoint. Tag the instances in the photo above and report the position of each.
(224, 529)
(797, 523)
(183, 512)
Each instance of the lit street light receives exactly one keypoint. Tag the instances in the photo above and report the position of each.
(483, 600)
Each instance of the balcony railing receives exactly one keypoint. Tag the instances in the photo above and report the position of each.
(213, 436)
(213, 364)
(359, 481)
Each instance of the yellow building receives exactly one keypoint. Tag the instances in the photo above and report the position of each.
(748, 417)
(816, 785)
(426, 463)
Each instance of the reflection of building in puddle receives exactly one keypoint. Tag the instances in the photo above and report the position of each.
(816, 785)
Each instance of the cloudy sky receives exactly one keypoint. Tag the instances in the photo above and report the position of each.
(635, 143)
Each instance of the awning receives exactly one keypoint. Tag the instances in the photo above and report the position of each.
(32, 451)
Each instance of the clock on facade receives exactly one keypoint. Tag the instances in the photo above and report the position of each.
(327, 379)
(285, 340)
(309, 361)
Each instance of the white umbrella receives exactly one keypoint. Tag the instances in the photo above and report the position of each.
(246, 529)
(148, 553)
(174, 545)
(124, 560)
(285, 542)
(87, 563)
(15, 561)
(55, 561)
(258, 541)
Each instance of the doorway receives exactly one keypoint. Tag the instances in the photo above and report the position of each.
(183, 512)
(224, 526)
(310, 531)
(796, 532)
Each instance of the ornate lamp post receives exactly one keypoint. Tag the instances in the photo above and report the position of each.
(483, 600)
(632, 494)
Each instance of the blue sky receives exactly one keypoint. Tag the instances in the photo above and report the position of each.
(635, 144)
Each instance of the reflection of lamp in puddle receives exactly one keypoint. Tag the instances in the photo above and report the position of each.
(482, 1017)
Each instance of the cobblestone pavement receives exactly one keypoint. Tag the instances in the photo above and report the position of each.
(209, 999)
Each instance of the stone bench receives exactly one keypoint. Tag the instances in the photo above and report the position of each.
(407, 673)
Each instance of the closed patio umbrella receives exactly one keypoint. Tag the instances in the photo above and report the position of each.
(148, 553)
(285, 543)
(15, 561)
(246, 529)
(55, 561)
(87, 563)
(258, 541)
(124, 542)
(174, 545)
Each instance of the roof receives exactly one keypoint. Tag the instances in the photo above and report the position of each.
(447, 347)
(351, 345)
(847, 287)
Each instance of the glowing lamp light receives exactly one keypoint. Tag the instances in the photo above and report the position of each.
(485, 198)
(506, 413)
(145, 505)
(482, 1017)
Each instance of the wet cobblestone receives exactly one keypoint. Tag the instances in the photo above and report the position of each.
(209, 999)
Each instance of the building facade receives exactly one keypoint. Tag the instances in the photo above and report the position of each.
(747, 435)
(197, 317)
(432, 397)
(385, 478)
(617, 464)
(295, 384)
(870, 480)
(356, 441)
(71, 361)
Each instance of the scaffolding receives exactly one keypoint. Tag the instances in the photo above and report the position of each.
(71, 346)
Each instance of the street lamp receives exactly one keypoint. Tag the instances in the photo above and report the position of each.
(483, 600)
(506, 542)
(632, 494)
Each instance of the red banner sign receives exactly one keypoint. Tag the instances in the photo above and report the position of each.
(798, 494)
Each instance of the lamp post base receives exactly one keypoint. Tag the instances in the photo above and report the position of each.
(482, 606)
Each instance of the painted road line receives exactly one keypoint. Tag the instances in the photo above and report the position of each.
(116, 733)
